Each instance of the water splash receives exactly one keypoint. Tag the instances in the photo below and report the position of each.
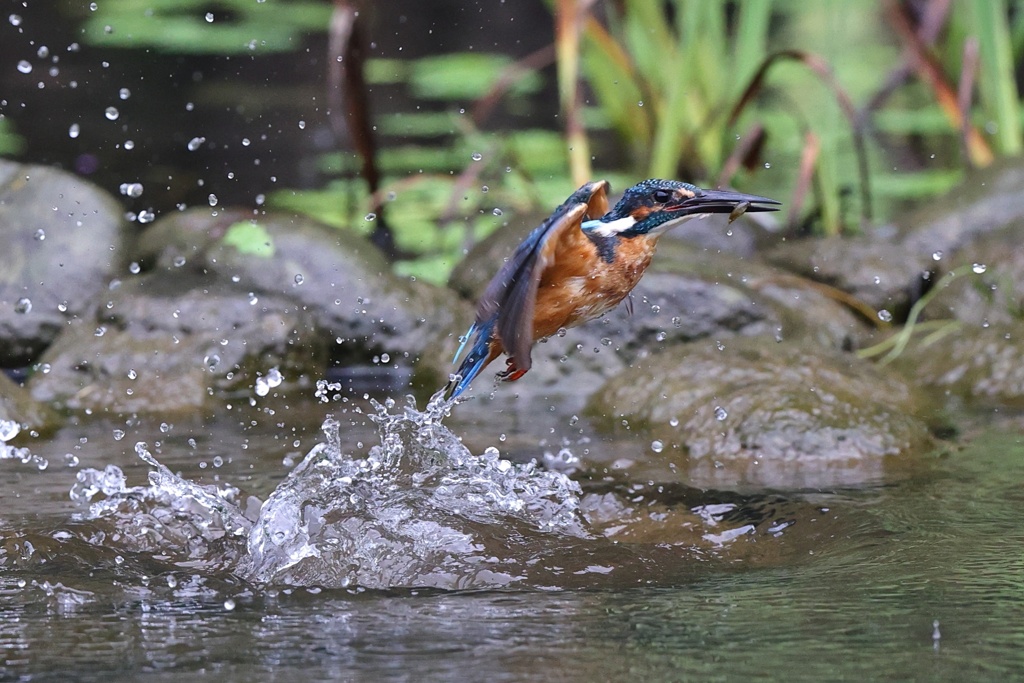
(8, 430)
(419, 510)
(188, 524)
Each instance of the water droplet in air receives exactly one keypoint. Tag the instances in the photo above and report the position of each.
(299, 279)
(657, 446)
(477, 156)
(15, 19)
(979, 268)
(937, 255)
(24, 67)
(73, 130)
(720, 413)
(195, 143)
(23, 305)
(8, 430)
(370, 217)
(212, 199)
(885, 316)
(229, 604)
(111, 113)
(497, 211)
(39, 235)
(209, 17)
(133, 190)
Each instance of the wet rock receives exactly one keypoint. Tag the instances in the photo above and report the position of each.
(167, 342)
(986, 201)
(891, 268)
(338, 277)
(17, 405)
(878, 271)
(760, 414)
(982, 365)
(991, 290)
(63, 239)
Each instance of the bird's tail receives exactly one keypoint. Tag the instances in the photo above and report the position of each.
(479, 335)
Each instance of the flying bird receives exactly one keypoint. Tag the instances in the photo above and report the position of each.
(579, 264)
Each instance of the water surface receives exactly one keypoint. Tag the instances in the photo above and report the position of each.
(917, 577)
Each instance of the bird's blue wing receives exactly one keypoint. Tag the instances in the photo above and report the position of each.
(509, 299)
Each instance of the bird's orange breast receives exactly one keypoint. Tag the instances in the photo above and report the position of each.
(580, 285)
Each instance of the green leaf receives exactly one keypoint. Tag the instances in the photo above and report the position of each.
(464, 76)
(250, 238)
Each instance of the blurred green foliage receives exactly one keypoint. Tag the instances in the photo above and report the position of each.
(202, 27)
(10, 141)
(667, 91)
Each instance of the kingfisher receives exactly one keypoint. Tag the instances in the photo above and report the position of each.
(579, 264)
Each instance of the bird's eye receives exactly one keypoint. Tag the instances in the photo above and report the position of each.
(662, 196)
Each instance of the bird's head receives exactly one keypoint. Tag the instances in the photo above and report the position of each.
(654, 206)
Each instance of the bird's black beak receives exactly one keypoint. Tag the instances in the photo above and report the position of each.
(724, 201)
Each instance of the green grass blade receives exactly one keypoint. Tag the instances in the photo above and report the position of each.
(996, 78)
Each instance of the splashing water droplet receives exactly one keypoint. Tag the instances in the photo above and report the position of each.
(133, 190)
(8, 430)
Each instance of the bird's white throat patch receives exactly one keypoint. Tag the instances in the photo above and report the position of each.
(610, 228)
(621, 225)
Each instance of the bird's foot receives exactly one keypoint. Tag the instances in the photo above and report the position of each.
(511, 373)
